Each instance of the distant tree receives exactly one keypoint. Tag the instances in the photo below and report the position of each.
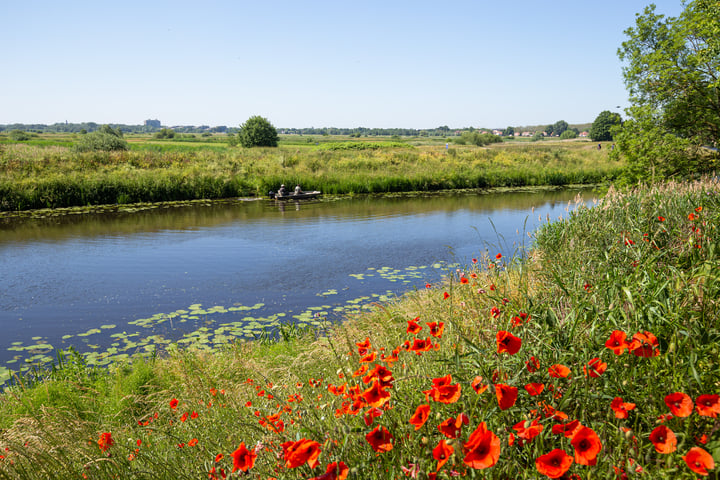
(257, 131)
(548, 130)
(165, 133)
(104, 139)
(601, 129)
(537, 136)
(559, 127)
(19, 136)
(107, 129)
(509, 132)
(567, 134)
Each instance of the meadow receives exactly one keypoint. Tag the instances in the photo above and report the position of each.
(594, 355)
(47, 173)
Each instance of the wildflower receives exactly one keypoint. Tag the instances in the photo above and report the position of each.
(554, 464)
(298, 453)
(506, 395)
(446, 295)
(376, 395)
(692, 217)
(212, 474)
(436, 328)
(532, 365)
(495, 312)
(363, 347)
(644, 345)
(680, 404)
(105, 441)
(587, 446)
(661, 218)
(482, 449)
(418, 419)
(498, 256)
(464, 280)
(528, 430)
(567, 429)
(621, 408)
(371, 414)
(477, 385)
(418, 346)
(380, 439)
(442, 453)
(413, 328)
(699, 461)
(442, 391)
(558, 371)
(334, 471)
(243, 459)
(534, 388)
(663, 439)
(708, 405)
(452, 426)
(587, 286)
(617, 342)
(184, 417)
(595, 368)
(174, 403)
(507, 342)
(699, 209)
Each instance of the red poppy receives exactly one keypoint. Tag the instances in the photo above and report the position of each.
(452, 426)
(464, 280)
(174, 403)
(418, 419)
(193, 442)
(371, 415)
(507, 342)
(243, 459)
(446, 296)
(532, 365)
(644, 345)
(587, 446)
(363, 347)
(534, 388)
(680, 404)
(105, 441)
(554, 464)
(527, 430)
(436, 328)
(708, 405)
(663, 439)
(595, 368)
(442, 453)
(482, 449)
(298, 453)
(661, 218)
(506, 395)
(621, 408)
(498, 256)
(617, 342)
(443, 391)
(413, 328)
(478, 386)
(567, 429)
(334, 471)
(699, 461)
(418, 346)
(380, 439)
(698, 209)
(558, 371)
(376, 395)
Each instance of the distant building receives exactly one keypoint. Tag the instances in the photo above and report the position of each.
(583, 134)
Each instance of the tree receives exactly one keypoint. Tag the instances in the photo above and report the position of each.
(600, 130)
(509, 132)
(105, 139)
(568, 134)
(672, 73)
(559, 127)
(165, 133)
(258, 132)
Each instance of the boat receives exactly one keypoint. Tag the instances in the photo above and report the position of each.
(295, 196)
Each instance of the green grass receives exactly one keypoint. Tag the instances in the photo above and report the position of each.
(639, 262)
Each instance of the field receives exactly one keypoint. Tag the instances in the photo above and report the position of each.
(594, 356)
(46, 173)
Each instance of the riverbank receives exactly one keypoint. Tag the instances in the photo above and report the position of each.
(596, 355)
(33, 177)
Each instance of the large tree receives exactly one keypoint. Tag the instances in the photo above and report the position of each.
(672, 73)
(601, 129)
(257, 131)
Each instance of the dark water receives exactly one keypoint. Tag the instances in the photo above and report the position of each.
(113, 284)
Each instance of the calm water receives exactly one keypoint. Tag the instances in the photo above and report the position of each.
(116, 283)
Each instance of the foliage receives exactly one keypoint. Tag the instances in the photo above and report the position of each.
(559, 127)
(165, 133)
(568, 134)
(257, 131)
(478, 139)
(537, 136)
(19, 136)
(105, 139)
(601, 129)
(509, 132)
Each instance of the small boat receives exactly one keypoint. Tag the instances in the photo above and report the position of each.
(295, 196)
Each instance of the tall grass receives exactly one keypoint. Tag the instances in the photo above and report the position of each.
(510, 357)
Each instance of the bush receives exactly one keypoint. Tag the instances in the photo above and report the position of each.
(258, 132)
(165, 133)
(101, 141)
(568, 134)
(19, 136)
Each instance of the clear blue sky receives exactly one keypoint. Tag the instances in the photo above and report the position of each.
(413, 64)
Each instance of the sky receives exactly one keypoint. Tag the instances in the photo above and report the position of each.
(376, 64)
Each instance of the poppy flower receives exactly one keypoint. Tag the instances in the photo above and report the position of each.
(595, 368)
(507, 342)
(334, 471)
(193, 442)
(699, 209)
(105, 441)
(243, 459)
(452, 426)
(413, 328)
(418, 419)
(699, 461)
(554, 464)
(436, 328)
(587, 446)
(380, 439)
(371, 414)
(558, 371)
(506, 395)
(443, 391)
(300, 452)
(478, 386)
(680, 404)
(174, 403)
(446, 295)
(376, 395)
(418, 346)
(482, 449)
(644, 345)
(464, 280)
(567, 429)
(621, 408)
(498, 256)
(663, 439)
(363, 347)
(528, 430)
(692, 217)
(708, 405)
(661, 218)
(617, 342)
(442, 453)
(534, 388)
(532, 365)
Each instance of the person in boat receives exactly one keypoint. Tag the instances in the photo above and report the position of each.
(298, 190)
(282, 191)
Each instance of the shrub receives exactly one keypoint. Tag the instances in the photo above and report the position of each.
(258, 132)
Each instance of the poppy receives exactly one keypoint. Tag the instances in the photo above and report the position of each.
(298, 453)
(436, 328)
(443, 391)
(595, 367)
(105, 441)
(528, 430)
(506, 395)
(442, 453)
(464, 280)
(644, 345)
(243, 459)
(376, 395)
(567, 429)
(418, 419)
(532, 365)
(534, 388)
(452, 426)
(680, 404)
(482, 449)
(661, 218)
(692, 217)
(369, 358)
(334, 471)
(698, 209)
(413, 328)
(446, 296)
(380, 439)
(507, 342)
(558, 371)
(498, 256)
(663, 439)
(699, 461)
(617, 342)
(621, 408)
(587, 446)
(478, 386)
(554, 464)
(418, 346)
(371, 414)
(708, 405)
(363, 347)
(193, 442)
(174, 403)
(382, 374)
